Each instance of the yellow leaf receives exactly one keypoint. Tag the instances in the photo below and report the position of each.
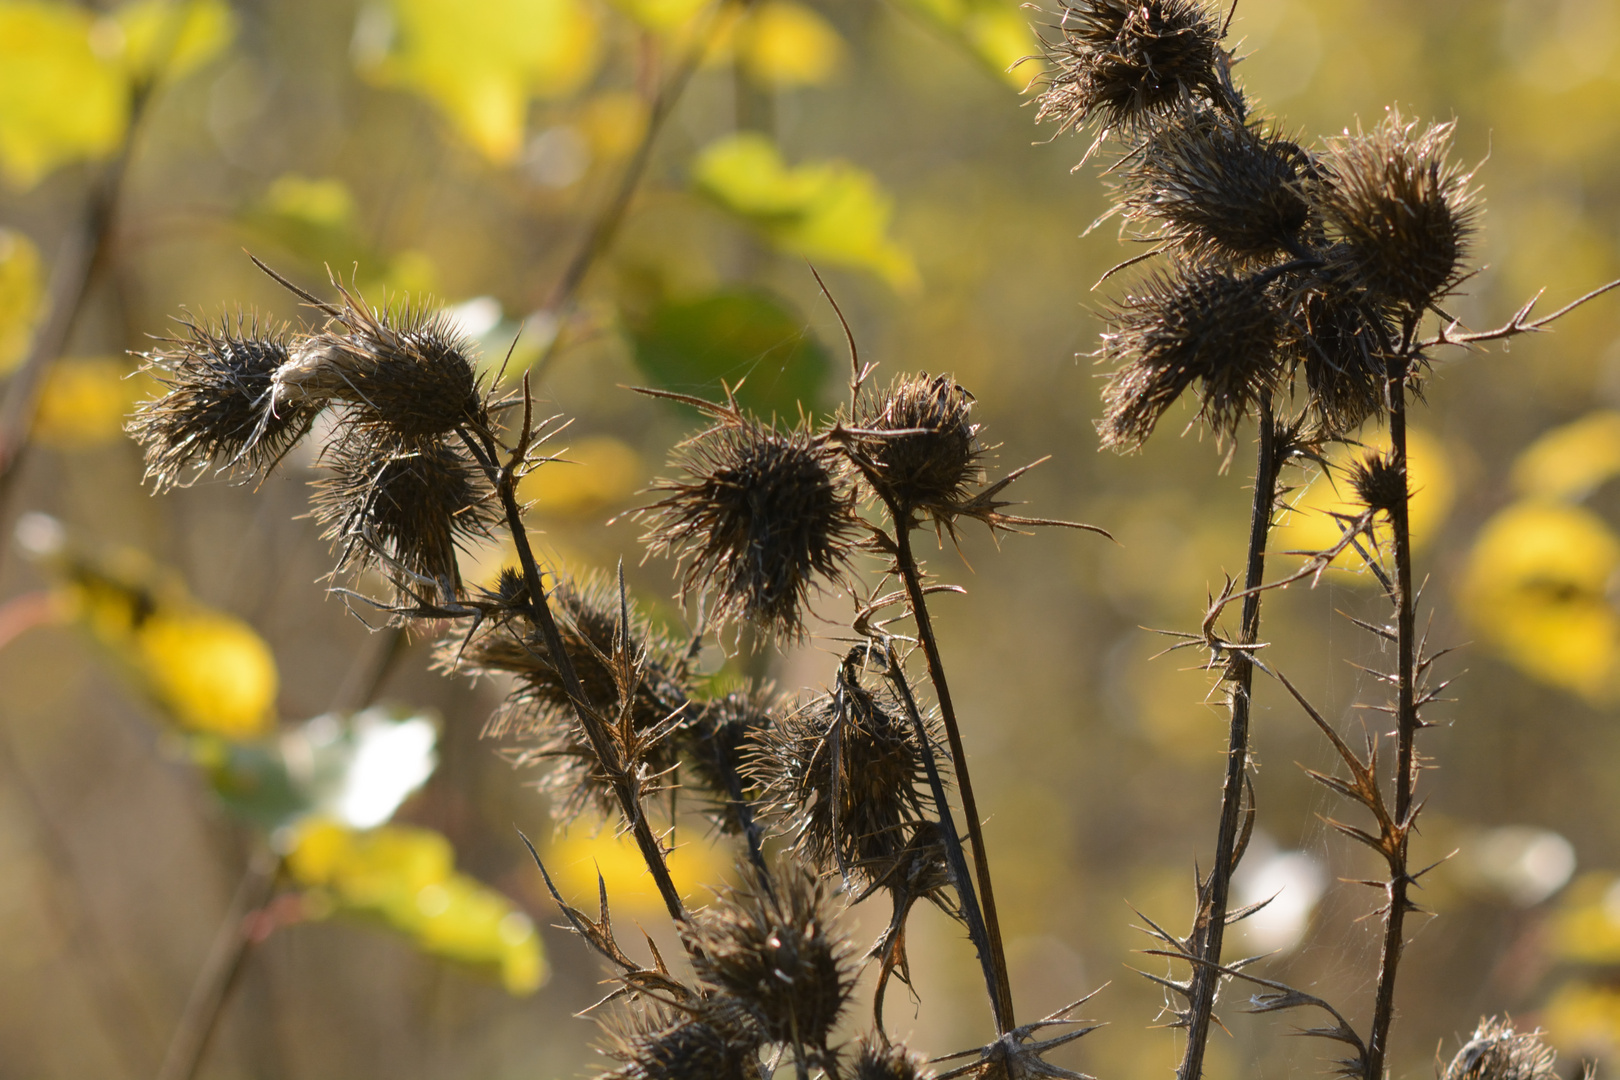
(326, 202)
(21, 290)
(828, 211)
(1571, 461)
(663, 16)
(1535, 588)
(1586, 927)
(613, 123)
(176, 37)
(575, 859)
(85, 401)
(209, 670)
(1584, 1020)
(482, 63)
(60, 101)
(781, 43)
(1310, 525)
(594, 473)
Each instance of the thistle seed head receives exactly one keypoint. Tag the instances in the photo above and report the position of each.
(538, 712)
(216, 411)
(715, 743)
(1200, 325)
(1402, 212)
(406, 370)
(1379, 482)
(1126, 61)
(760, 515)
(776, 954)
(1497, 1052)
(879, 1059)
(841, 776)
(1342, 342)
(406, 505)
(683, 1047)
(932, 464)
(1220, 189)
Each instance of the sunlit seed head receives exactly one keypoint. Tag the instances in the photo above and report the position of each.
(879, 1059)
(1218, 188)
(1123, 62)
(1496, 1051)
(1402, 212)
(1341, 342)
(715, 743)
(1199, 325)
(403, 505)
(216, 410)
(932, 464)
(669, 1046)
(760, 515)
(778, 955)
(1379, 482)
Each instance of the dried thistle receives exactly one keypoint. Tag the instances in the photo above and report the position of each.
(1402, 212)
(879, 1059)
(1497, 1052)
(841, 775)
(762, 514)
(1379, 482)
(405, 504)
(538, 711)
(1125, 61)
(714, 744)
(664, 1045)
(1342, 343)
(1220, 189)
(775, 954)
(216, 411)
(1200, 325)
(924, 451)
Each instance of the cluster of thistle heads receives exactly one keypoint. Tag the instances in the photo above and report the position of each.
(1295, 273)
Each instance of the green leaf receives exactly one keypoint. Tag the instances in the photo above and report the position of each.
(828, 211)
(746, 336)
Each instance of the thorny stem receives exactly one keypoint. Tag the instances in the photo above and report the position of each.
(953, 840)
(1405, 716)
(1210, 928)
(504, 478)
(1001, 999)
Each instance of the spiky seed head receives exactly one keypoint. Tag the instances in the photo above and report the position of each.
(777, 955)
(216, 410)
(715, 742)
(406, 369)
(664, 1046)
(1496, 1051)
(1218, 188)
(538, 715)
(879, 1059)
(759, 517)
(931, 464)
(1403, 213)
(1197, 325)
(1125, 61)
(406, 505)
(1342, 342)
(840, 775)
(1379, 482)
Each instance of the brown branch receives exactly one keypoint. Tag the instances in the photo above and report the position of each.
(1517, 324)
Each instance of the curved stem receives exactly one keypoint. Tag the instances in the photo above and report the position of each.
(1210, 928)
(912, 578)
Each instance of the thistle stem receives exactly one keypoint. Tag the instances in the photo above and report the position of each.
(1406, 725)
(912, 577)
(1209, 930)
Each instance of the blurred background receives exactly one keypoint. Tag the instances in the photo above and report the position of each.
(182, 766)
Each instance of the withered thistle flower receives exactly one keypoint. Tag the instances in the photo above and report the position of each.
(1341, 341)
(1220, 189)
(761, 515)
(538, 712)
(1497, 1052)
(660, 1046)
(405, 504)
(1402, 212)
(879, 1059)
(1124, 61)
(932, 464)
(1379, 482)
(776, 954)
(841, 775)
(407, 370)
(1201, 325)
(714, 744)
(216, 411)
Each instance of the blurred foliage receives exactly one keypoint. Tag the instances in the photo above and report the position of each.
(20, 292)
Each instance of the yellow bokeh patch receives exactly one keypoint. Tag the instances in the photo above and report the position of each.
(574, 860)
(1584, 1020)
(174, 37)
(210, 671)
(594, 473)
(22, 288)
(1570, 462)
(783, 44)
(481, 64)
(85, 401)
(1536, 589)
(61, 99)
(997, 32)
